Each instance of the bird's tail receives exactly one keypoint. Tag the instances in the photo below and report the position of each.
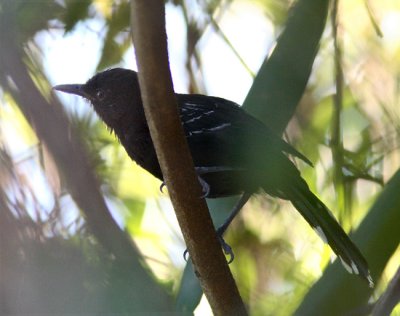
(323, 222)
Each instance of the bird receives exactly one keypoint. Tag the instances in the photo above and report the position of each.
(233, 152)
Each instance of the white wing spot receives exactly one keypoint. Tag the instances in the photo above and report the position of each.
(370, 281)
(212, 129)
(354, 268)
(346, 266)
(196, 132)
(193, 119)
(321, 233)
(189, 104)
(219, 127)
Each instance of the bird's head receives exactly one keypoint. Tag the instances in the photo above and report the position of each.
(114, 94)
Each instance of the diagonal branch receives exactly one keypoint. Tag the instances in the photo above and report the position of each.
(148, 27)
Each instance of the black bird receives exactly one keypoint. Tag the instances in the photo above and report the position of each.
(233, 153)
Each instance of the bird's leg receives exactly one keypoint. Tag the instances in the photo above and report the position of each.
(242, 201)
(221, 230)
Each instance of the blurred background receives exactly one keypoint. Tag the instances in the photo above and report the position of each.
(348, 125)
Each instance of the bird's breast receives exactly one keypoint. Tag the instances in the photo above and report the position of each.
(140, 148)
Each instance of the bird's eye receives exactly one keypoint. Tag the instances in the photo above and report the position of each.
(100, 95)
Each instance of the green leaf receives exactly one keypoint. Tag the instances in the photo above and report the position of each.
(136, 211)
(281, 81)
(189, 293)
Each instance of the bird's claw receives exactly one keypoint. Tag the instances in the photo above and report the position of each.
(162, 187)
(225, 247)
(205, 188)
(186, 255)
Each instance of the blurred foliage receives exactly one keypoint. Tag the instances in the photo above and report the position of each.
(75, 11)
(55, 265)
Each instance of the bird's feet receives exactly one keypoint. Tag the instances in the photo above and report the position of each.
(162, 187)
(225, 247)
(204, 186)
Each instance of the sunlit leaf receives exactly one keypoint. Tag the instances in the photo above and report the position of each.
(281, 81)
(135, 215)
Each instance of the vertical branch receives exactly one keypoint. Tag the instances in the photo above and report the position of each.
(336, 132)
(148, 28)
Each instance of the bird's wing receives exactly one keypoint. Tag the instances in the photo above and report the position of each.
(204, 116)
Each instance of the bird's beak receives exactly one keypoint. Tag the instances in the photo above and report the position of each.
(76, 89)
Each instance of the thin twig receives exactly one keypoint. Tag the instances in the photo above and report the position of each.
(336, 138)
(229, 43)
